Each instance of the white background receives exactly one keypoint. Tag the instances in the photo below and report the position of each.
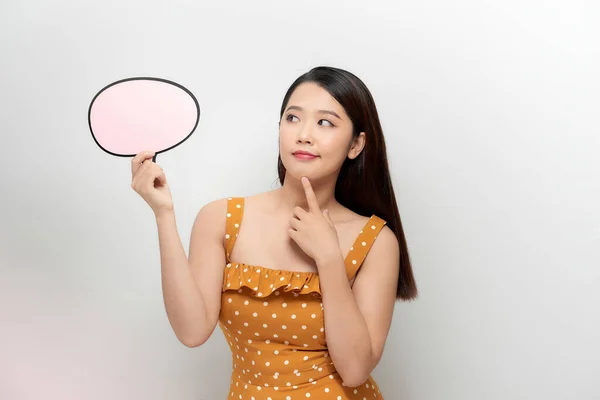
(490, 111)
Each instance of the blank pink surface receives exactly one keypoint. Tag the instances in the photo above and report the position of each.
(138, 115)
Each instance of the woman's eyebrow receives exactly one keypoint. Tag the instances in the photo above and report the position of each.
(320, 111)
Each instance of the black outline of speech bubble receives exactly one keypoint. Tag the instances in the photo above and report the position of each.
(146, 79)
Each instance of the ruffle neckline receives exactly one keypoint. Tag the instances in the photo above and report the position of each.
(263, 282)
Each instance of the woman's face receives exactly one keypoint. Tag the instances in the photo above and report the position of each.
(315, 134)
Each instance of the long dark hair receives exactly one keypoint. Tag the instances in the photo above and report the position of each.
(364, 184)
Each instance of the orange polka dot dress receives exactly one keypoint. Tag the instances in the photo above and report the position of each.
(273, 322)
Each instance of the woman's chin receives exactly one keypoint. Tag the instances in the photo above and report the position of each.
(313, 176)
(295, 171)
(297, 175)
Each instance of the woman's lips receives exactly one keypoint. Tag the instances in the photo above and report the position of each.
(304, 156)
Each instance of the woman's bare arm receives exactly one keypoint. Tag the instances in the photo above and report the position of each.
(192, 285)
(358, 318)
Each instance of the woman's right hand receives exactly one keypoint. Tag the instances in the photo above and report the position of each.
(149, 181)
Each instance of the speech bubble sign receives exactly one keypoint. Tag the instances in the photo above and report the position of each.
(136, 114)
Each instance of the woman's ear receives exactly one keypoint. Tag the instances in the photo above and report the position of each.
(358, 144)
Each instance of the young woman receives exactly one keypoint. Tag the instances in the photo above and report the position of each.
(302, 279)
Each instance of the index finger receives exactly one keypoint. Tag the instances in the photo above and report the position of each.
(313, 204)
(139, 158)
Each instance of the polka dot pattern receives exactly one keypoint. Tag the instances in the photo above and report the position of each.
(273, 322)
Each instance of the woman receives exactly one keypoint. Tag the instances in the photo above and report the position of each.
(302, 279)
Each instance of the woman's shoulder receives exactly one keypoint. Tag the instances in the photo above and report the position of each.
(348, 218)
(354, 222)
(218, 207)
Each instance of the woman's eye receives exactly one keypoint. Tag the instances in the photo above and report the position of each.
(291, 117)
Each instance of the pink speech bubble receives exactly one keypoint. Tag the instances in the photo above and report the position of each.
(137, 114)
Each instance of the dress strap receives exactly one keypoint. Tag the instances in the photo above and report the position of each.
(362, 245)
(235, 211)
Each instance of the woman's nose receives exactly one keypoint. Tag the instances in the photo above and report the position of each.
(305, 135)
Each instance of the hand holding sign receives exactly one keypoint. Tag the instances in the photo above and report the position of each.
(142, 117)
(149, 181)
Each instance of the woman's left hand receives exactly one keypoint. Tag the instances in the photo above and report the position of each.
(312, 230)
